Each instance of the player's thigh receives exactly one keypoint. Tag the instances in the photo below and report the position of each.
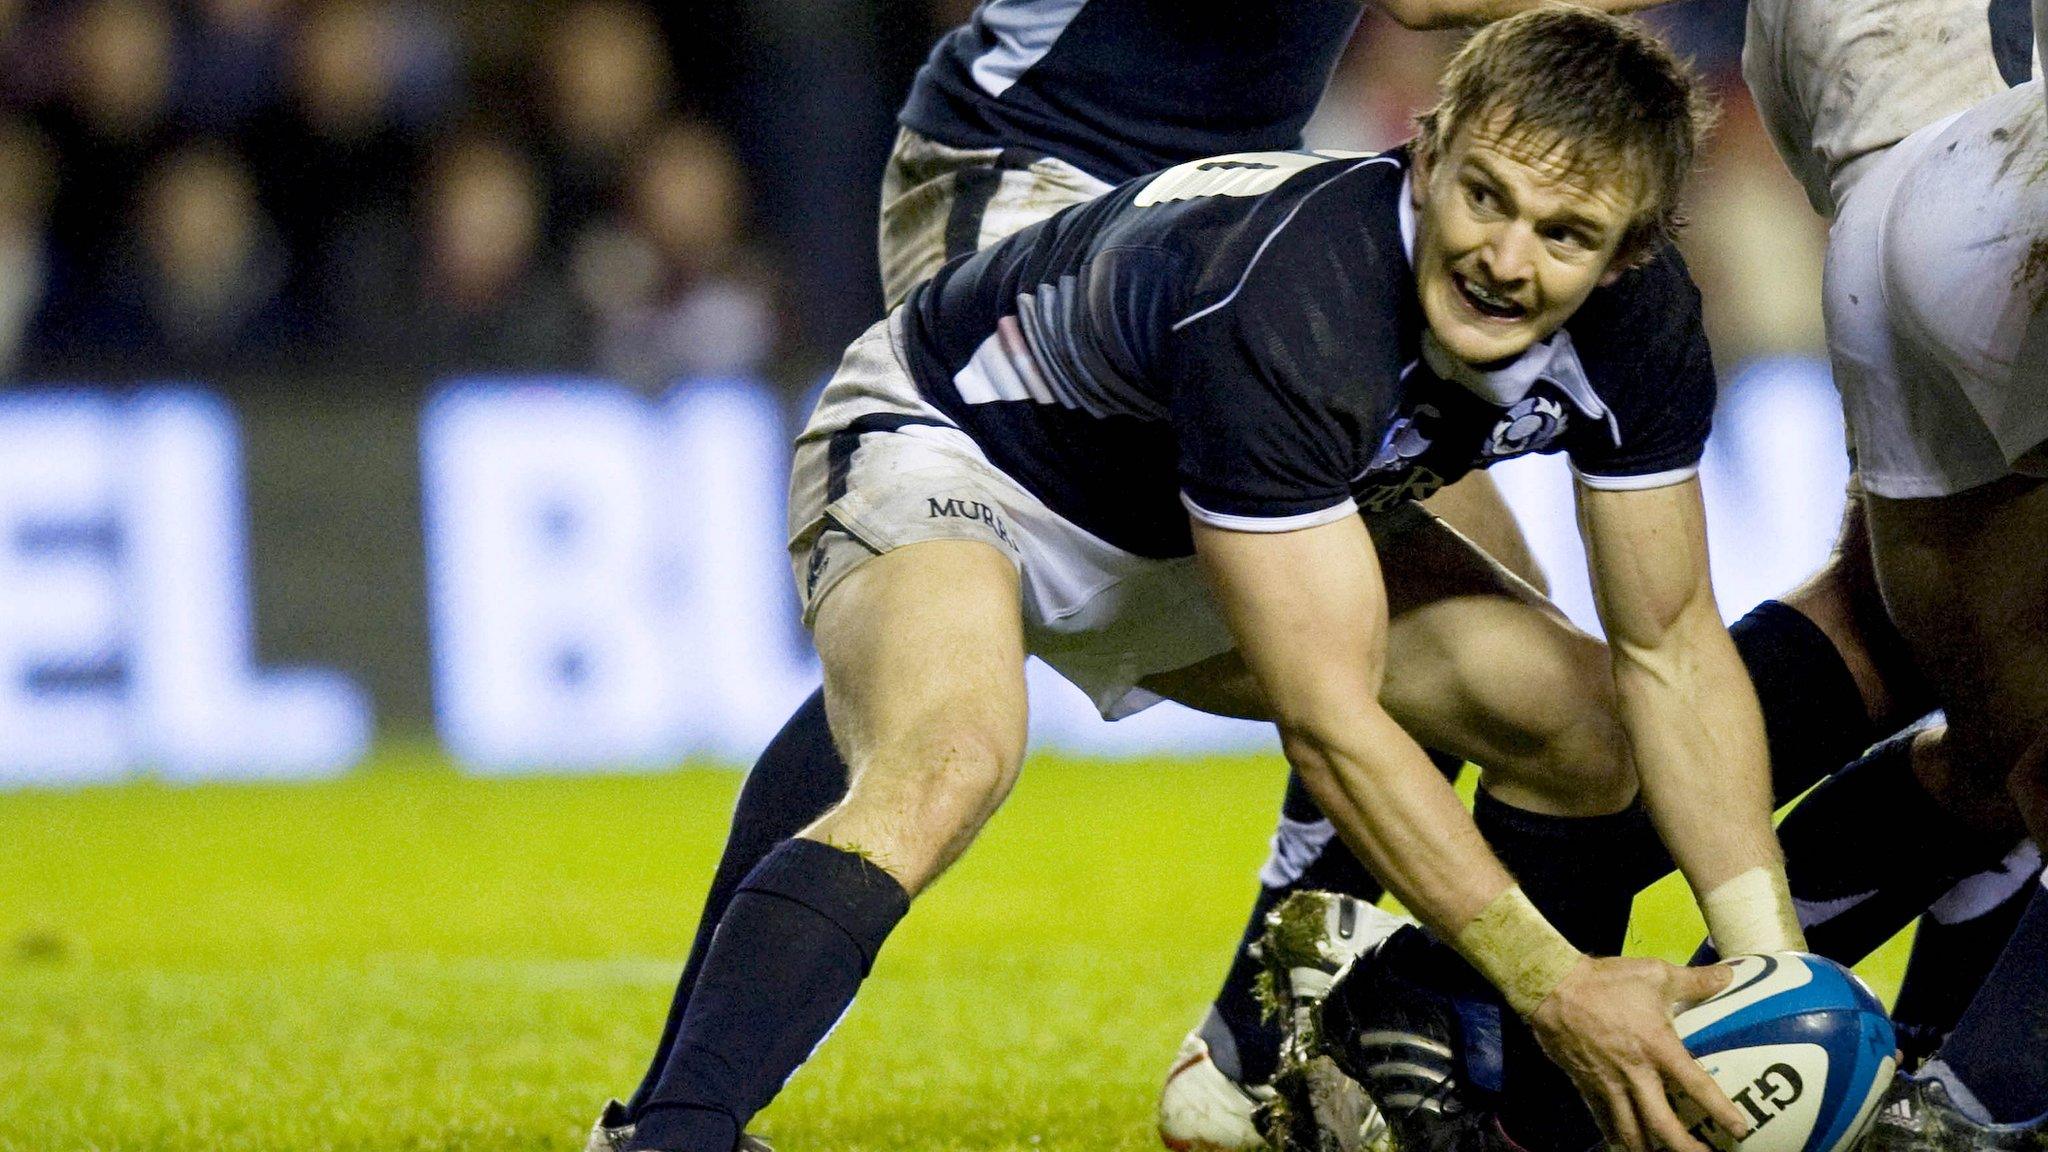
(2027, 786)
(1843, 601)
(1475, 508)
(1965, 578)
(1480, 666)
(1423, 560)
(923, 651)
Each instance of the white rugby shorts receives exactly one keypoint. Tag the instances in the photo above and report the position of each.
(939, 202)
(1839, 81)
(877, 468)
(1937, 303)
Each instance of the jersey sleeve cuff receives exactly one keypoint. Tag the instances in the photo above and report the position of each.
(1230, 523)
(1644, 482)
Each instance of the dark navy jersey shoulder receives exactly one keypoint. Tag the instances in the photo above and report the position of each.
(1642, 343)
(1238, 339)
(1120, 88)
(1229, 332)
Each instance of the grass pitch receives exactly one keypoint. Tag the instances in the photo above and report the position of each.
(408, 959)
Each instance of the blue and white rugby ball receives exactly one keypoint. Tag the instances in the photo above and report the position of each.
(1800, 1045)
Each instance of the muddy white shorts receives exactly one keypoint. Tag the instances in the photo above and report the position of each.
(939, 202)
(1936, 283)
(877, 469)
(1838, 81)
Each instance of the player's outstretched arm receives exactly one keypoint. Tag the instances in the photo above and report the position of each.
(1689, 710)
(1309, 613)
(1308, 610)
(1422, 14)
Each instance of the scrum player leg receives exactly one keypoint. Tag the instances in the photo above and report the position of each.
(1950, 428)
(1963, 570)
(1956, 519)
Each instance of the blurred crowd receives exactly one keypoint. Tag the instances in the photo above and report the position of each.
(229, 185)
(212, 189)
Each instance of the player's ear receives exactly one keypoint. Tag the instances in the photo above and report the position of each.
(1638, 246)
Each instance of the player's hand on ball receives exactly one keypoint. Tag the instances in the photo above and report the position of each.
(1608, 1025)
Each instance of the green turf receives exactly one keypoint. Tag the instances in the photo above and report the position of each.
(409, 959)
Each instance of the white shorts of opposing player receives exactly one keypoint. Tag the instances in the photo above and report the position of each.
(1937, 303)
(1893, 115)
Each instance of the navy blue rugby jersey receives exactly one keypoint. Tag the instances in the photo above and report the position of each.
(1121, 88)
(1239, 339)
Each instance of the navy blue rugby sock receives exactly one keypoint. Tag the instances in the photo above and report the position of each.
(1999, 1050)
(1815, 720)
(1960, 938)
(1870, 849)
(799, 937)
(1814, 717)
(797, 779)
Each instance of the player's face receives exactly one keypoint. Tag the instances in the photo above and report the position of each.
(1512, 240)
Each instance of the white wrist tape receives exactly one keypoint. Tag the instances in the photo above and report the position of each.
(1516, 949)
(1753, 913)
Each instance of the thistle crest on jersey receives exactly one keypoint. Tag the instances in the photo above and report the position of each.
(1529, 426)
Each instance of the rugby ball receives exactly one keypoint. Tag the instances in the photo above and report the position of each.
(1800, 1045)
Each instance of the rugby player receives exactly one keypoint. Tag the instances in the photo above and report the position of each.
(1025, 130)
(1009, 446)
(1009, 123)
(1931, 170)
(1820, 660)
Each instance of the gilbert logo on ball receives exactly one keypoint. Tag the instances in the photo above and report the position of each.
(1800, 1045)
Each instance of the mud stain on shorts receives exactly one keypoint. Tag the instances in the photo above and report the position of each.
(2033, 274)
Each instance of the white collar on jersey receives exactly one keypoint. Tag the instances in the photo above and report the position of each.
(1404, 211)
(1555, 359)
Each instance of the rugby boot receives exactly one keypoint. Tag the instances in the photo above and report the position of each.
(1413, 1025)
(1310, 939)
(1917, 1115)
(1202, 1109)
(614, 1128)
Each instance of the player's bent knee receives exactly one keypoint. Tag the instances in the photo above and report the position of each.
(915, 804)
(1570, 754)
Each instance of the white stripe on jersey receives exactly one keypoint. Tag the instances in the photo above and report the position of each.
(1229, 523)
(1252, 263)
(1024, 32)
(1641, 483)
(1002, 369)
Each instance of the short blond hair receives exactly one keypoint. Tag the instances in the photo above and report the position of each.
(1609, 94)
